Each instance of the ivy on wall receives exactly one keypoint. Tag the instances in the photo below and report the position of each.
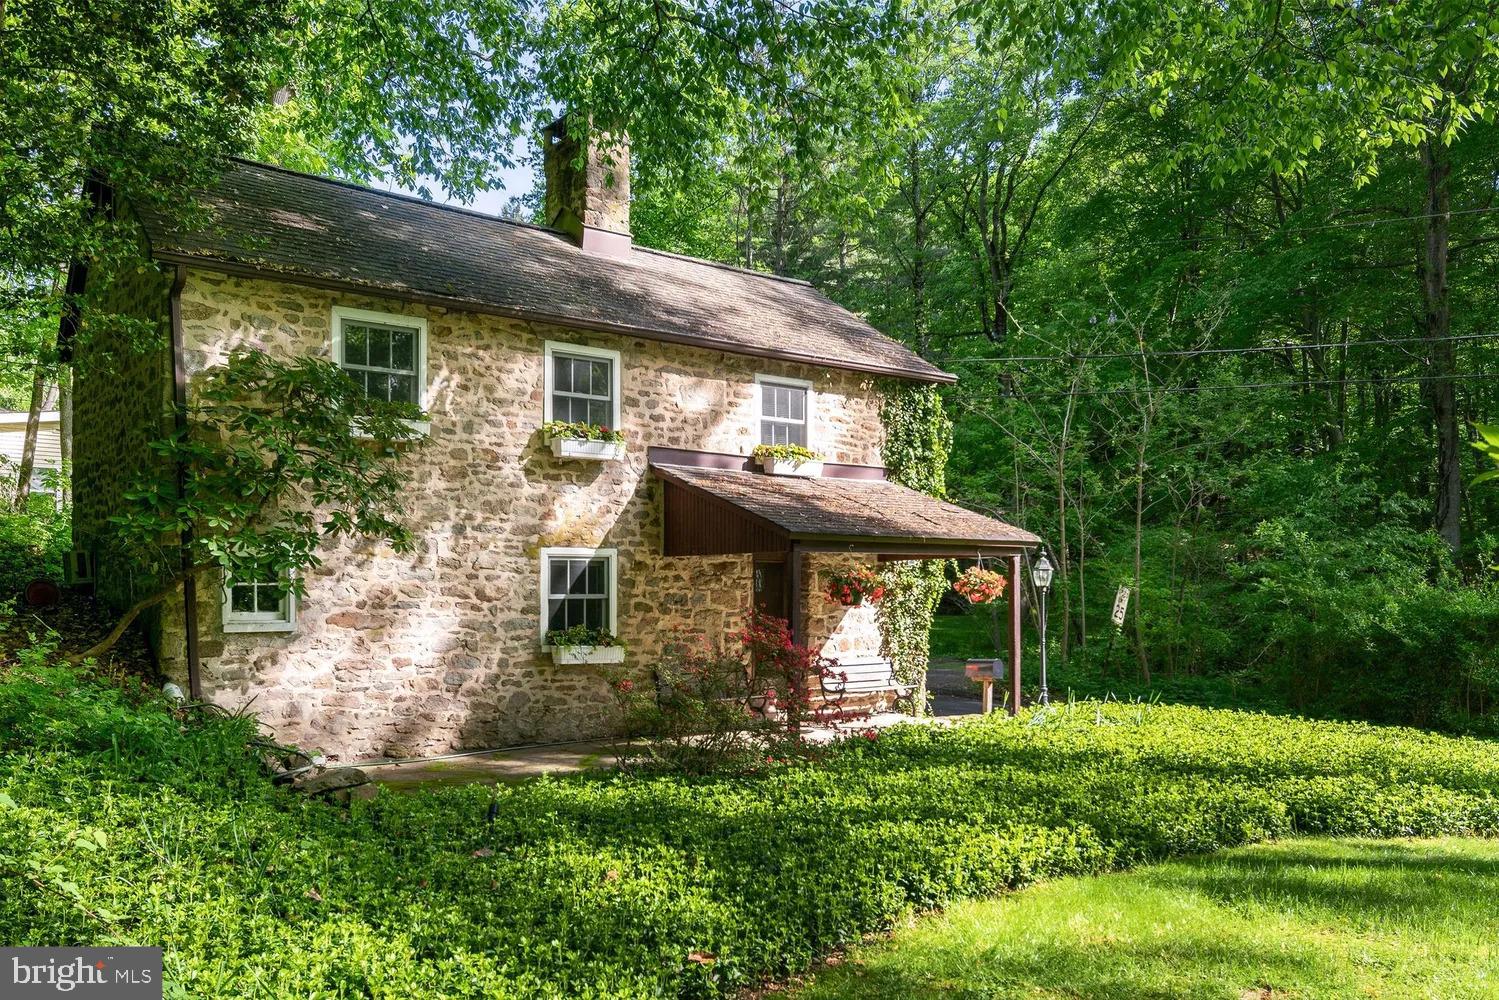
(918, 438)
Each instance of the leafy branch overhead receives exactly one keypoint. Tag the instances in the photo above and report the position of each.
(278, 459)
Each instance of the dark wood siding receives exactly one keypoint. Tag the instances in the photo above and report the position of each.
(698, 525)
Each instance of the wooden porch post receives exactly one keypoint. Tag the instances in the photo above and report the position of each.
(794, 592)
(1014, 591)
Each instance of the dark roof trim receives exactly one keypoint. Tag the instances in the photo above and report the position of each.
(656, 454)
(536, 316)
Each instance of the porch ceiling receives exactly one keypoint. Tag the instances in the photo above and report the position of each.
(719, 511)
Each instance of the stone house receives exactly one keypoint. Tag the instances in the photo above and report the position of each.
(494, 328)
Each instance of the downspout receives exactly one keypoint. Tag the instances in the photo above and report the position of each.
(179, 401)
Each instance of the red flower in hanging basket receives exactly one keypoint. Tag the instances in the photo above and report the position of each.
(855, 587)
(980, 586)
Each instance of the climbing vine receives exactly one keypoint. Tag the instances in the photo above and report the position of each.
(918, 438)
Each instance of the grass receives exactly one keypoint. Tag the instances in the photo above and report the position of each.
(960, 637)
(1309, 919)
(124, 821)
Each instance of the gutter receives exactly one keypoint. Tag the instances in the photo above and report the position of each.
(179, 401)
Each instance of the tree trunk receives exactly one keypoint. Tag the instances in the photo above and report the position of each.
(1441, 390)
(133, 612)
(1082, 565)
(1144, 661)
(65, 429)
(28, 445)
(918, 256)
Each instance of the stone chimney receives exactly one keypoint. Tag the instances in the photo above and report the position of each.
(588, 201)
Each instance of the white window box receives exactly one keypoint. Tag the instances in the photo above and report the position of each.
(573, 655)
(809, 469)
(419, 428)
(595, 451)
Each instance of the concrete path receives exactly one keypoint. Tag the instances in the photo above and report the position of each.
(496, 765)
(520, 763)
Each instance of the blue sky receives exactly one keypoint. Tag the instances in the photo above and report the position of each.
(518, 181)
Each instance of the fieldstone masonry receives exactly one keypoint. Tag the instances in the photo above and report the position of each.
(403, 655)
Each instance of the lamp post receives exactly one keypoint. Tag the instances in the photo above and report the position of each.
(1041, 577)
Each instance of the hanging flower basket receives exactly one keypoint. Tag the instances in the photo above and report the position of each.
(855, 587)
(980, 586)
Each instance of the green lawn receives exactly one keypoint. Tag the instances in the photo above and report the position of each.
(1309, 919)
(123, 821)
(960, 637)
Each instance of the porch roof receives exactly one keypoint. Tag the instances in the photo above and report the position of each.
(718, 511)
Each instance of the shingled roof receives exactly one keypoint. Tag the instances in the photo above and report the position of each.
(312, 230)
(836, 508)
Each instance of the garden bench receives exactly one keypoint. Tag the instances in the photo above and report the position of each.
(869, 676)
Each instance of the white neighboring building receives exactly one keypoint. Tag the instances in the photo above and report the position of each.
(48, 446)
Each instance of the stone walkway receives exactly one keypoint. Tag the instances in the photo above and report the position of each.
(492, 766)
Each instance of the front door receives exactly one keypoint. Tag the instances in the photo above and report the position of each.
(770, 588)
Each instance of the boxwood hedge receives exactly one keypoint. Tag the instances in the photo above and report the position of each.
(121, 822)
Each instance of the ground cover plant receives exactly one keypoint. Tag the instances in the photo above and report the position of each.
(123, 819)
(1313, 919)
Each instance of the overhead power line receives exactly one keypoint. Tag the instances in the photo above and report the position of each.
(1293, 384)
(1198, 351)
(1186, 242)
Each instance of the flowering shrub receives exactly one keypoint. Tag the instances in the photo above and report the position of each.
(718, 709)
(980, 586)
(578, 430)
(853, 588)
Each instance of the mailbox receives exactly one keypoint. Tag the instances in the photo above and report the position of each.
(991, 669)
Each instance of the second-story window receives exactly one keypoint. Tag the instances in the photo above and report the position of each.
(785, 410)
(582, 385)
(383, 353)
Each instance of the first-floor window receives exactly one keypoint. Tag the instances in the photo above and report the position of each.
(577, 589)
(259, 602)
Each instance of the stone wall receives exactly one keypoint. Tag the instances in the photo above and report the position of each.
(440, 649)
(122, 402)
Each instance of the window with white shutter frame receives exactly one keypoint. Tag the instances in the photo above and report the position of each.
(264, 603)
(581, 385)
(785, 410)
(385, 353)
(578, 587)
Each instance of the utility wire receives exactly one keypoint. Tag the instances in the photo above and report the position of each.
(1193, 352)
(1242, 385)
(1186, 242)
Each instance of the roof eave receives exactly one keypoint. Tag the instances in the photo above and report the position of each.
(250, 270)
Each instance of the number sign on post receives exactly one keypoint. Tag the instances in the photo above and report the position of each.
(1121, 605)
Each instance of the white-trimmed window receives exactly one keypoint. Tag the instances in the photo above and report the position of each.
(785, 410)
(265, 603)
(578, 587)
(582, 384)
(384, 352)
